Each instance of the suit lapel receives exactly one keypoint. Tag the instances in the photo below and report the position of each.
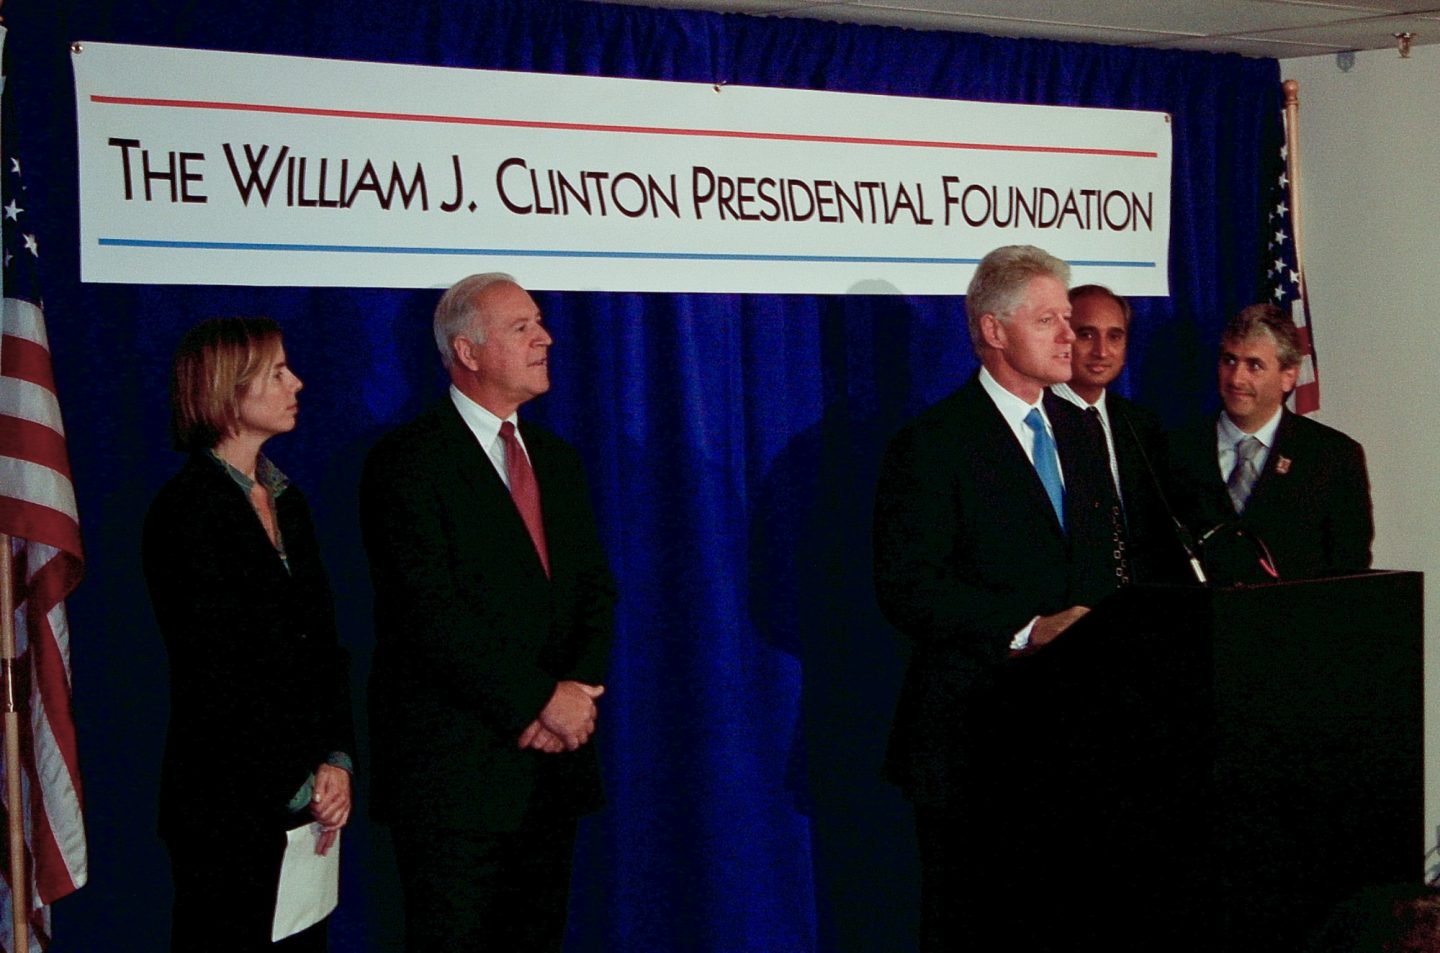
(539, 459)
(1137, 477)
(481, 483)
(1127, 445)
(248, 529)
(550, 504)
(1011, 456)
(1204, 463)
(1086, 473)
(1278, 463)
(472, 463)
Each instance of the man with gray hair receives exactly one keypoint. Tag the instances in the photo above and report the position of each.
(1279, 496)
(988, 544)
(493, 619)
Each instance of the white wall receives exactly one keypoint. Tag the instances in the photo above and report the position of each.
(1370, 155)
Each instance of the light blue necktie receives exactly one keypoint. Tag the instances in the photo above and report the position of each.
(1047, 464)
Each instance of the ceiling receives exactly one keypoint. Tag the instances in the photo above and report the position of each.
(1278, 28)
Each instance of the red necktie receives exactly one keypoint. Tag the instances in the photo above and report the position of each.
(525, 491)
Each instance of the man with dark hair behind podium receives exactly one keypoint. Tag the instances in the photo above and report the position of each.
(1273, 495)
(1134, 441)
(989, 543)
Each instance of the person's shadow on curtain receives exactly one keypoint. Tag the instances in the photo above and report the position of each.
(812, 595)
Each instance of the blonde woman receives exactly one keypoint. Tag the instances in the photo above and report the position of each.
(260, 730)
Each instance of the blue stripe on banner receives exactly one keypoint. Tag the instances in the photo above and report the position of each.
(565, 253)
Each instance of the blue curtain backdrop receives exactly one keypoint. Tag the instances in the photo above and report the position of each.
(732, 442)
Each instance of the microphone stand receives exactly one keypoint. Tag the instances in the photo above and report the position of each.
(1182, 535)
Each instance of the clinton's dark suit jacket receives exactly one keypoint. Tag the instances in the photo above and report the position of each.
(259, 690)
(967, 551)
(471, 637)
(1311, 504)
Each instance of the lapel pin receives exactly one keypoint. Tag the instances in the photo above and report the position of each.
(1282, 466)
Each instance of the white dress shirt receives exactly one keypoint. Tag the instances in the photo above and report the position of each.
(1227, 435)
(486, 428)
(1015, 410)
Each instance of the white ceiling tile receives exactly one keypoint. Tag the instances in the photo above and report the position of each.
(1247, 46)
(1369, 34)
(1279, 28)
(1362, 6)
(1236, 16)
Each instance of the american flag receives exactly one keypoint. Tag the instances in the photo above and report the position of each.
(1285, 281)
(37, 514)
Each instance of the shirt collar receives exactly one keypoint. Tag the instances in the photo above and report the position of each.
(1067, 392)
(1012, 408)
(483, 424)
(267, 474)
(1227, 434)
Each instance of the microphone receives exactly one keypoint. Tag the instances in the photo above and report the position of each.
(1182, 535)
(1233, 528)
(1205, 536)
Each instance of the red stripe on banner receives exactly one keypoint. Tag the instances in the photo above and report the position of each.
(23, 358)
(43, 524)
(603, 127)
(38, 443)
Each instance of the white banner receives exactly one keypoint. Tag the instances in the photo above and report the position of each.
(200, 167)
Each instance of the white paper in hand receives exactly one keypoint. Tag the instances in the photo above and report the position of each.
(309, 883)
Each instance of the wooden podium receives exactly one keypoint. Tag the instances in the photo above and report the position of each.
(1211, 769)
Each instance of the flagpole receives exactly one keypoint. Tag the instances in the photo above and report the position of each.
(19, 882)
(1292, 164)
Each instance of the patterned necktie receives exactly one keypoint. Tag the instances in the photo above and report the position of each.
(1047, 464)
(1243, 476)
(1110, 498)
(525, 491)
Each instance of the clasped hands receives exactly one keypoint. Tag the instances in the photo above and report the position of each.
(567, 721)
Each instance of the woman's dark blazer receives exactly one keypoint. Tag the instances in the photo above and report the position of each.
(259, 685)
